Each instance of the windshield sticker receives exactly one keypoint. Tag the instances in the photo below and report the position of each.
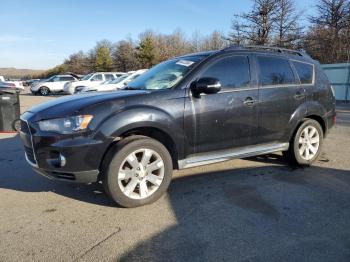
(186, 63)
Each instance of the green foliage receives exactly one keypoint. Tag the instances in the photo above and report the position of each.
(103, 60)
(147, 53)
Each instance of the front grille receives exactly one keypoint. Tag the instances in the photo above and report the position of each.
(24, 127)
(30, 154)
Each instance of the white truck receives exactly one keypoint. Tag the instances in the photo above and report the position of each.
(91, 80)
(115, 84)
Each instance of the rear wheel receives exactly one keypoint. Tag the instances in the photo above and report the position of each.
(138, 173)
(44, 91)
(306, 145)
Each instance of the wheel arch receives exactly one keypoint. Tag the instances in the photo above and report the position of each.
(309, 110)
(44, 86)
(137, 133)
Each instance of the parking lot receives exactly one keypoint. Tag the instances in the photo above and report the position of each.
(256, 209)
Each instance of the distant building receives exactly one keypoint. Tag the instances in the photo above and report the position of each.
(339, 76)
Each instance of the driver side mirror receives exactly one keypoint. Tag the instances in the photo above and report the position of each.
(206, 85)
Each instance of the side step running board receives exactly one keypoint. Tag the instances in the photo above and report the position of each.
(225, 155)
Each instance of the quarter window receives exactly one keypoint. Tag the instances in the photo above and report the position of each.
(305, 72)
(275, 71)
(232, 72)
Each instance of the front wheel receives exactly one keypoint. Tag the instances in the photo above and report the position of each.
(44, 91)
(306, 145)
(138, 173)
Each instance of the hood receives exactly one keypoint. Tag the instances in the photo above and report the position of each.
(70, 105)
(79, 83)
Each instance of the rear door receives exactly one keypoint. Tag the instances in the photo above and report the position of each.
(229, 118)
(280, 95)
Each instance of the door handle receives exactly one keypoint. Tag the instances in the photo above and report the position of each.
(299, 95)
(249, 101)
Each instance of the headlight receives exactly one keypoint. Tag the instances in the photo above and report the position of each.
(66, 125)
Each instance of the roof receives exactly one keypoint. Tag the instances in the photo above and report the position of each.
(269, 49)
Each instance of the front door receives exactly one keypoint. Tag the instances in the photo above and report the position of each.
(229, 118)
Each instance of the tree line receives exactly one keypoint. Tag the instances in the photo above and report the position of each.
(268, 22)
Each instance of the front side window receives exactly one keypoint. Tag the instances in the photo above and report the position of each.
(87, 77)
(56, 79)
(275, 71)
(232, 72)
(67, 78)
(305, 72)
(97, 77)
(109, 77)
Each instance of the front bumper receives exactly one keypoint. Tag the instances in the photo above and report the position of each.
(69, 89)
(43, 151)
(84, 177)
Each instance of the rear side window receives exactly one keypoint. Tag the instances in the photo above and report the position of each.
(275, 71)
(305, 72)
(232, 72)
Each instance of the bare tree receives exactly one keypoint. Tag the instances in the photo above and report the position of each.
(256, 26)
(288, 30)
(214, 41)
(327, 40)
(124, 56)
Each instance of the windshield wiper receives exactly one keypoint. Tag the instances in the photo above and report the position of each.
(132, 88)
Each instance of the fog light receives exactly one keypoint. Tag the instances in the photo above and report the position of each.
(62, 160)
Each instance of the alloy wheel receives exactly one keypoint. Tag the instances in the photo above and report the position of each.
(141, 173)
(309, 143)
(44, 91)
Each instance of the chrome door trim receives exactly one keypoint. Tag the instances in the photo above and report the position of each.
(225, 155)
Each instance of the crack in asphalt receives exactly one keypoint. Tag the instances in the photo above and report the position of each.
(97, 244)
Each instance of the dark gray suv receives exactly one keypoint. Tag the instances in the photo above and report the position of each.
(189, 111)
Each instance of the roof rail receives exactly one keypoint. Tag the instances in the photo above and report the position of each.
(267, 48)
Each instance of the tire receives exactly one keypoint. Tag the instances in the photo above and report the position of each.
(16, 125)
(138, 185)
(76, 89)
(44, 91)
(300, 152)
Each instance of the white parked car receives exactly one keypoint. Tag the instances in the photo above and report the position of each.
(53, 84)
(12, 84)
(115, 84)
(91, 80)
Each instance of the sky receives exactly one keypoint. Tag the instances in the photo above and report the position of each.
(39, 34)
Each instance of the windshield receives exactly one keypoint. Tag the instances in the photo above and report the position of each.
(87, 77)
(48, 79)
(119, 79)
(165, 75)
